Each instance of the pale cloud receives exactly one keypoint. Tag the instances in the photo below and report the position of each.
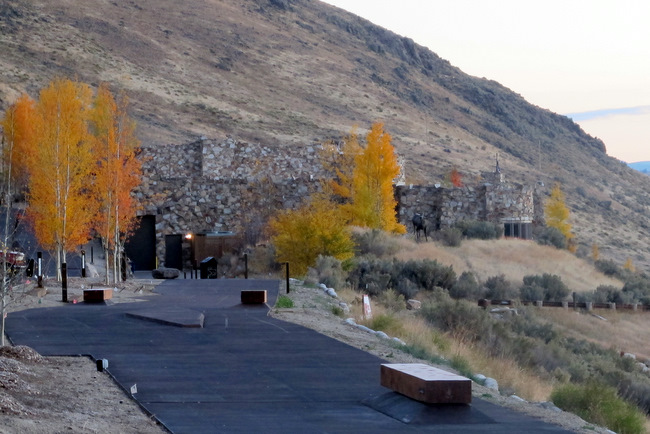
(595, 114)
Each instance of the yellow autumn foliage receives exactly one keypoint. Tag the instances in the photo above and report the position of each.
(371, 198)
(316, 228)
(557, 213)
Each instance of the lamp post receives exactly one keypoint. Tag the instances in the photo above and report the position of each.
(188, 239)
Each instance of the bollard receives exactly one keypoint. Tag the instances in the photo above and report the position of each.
(83, 263)
(287, 264)
(92, 259)
(64, 282)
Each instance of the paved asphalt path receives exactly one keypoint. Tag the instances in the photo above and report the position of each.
(243, 372)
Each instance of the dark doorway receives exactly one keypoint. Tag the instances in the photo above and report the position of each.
(174, 251)
(141, 245)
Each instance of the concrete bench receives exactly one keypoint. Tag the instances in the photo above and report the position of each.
(97, 295)
(253, 296)
(427, 384)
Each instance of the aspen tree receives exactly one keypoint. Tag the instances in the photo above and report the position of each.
(60, 169)
(557, 213)
(372, 200)
(118, 172)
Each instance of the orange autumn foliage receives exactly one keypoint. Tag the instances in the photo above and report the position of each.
(60, 168)
(117, 173)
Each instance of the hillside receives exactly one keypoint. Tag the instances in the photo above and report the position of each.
(295, 72)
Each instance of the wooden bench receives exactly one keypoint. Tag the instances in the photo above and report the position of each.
(253, 296)
(427, 384)
(97, 295)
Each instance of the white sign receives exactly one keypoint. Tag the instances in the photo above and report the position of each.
(367, 312)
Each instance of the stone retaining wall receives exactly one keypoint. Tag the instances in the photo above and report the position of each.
(207, 186)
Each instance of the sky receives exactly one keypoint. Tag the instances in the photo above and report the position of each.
(587, 59)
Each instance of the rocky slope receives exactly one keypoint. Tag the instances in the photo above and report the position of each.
(298, 72)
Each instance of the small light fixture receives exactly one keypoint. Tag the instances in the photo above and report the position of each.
(188, 236)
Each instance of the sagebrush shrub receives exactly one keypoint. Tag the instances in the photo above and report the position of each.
(462, 318)
(330, 272)
(466, 286)
(600, 404)
(374, 242)
(547, 287)
(481, 230)
(451, 237)
(499, 288)
(549, 236)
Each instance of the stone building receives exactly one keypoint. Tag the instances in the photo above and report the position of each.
(231, 188)
(516, 207)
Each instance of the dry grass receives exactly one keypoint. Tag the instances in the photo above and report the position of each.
(512, 258)
(415, 331)
(510, 376)
(623, 331)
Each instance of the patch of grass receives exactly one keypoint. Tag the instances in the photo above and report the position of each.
(284, 302)
(601, 405)
(337, 310)
(461, 364)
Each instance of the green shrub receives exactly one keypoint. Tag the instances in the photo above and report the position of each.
(601, 405)
(481, 230)
(466, 286)
(375, 276)
(547, 287)
(392, 300)
(284, 302)
(459, 317)
(426, 274)
(374, 242)
(385, 323)
(451, 237)
(549, 236)
(461, 365)
(330, 272)
(337, 310)
(637, 288)
(608, 267)
(499, 288)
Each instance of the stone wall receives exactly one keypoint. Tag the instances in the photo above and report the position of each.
(228, 186)
(233, 186)
(443, 207)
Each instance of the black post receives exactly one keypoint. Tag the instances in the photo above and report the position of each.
(245, 265)
(123, 268)
(83, 263)
(287, 264)
(39, 268)
(64, 282)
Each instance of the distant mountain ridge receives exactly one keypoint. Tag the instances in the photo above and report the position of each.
(641, 166)
(300, 72)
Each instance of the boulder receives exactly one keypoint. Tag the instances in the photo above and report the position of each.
(491, 383)
(413, 304)
(165, 273)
